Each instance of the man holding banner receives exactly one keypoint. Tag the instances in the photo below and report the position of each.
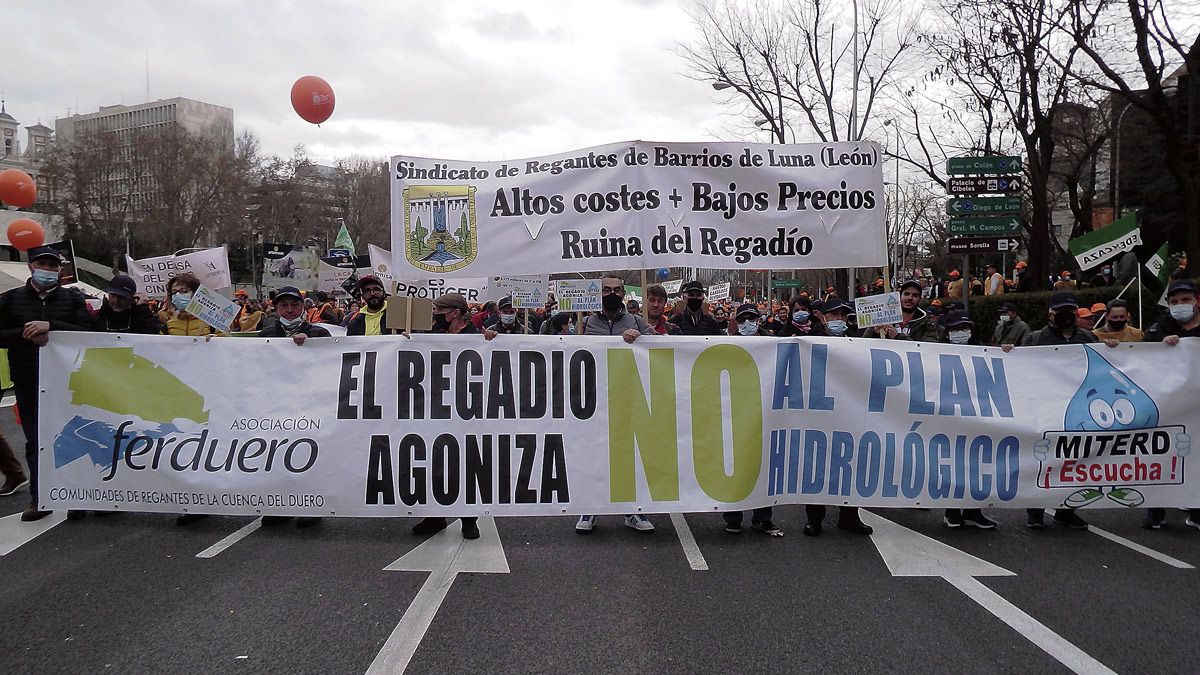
(371, 319)
(692, 319)
(614, 320)
(27, 315)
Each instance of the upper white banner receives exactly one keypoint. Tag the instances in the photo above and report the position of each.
(641, 205)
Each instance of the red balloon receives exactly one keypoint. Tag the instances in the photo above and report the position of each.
(24, 234)
(17, 188)
(312, 98)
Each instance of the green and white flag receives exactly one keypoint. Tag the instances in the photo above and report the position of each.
(1108, 242)
(344, 240)
(1157, 264)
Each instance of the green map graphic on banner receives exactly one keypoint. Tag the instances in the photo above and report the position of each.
(116, 381)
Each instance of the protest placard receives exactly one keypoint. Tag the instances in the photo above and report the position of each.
(213, 308)
(718, 292)
(210, 265)
(579, 295)
(877, 310)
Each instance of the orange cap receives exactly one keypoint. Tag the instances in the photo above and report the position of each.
(1083, 312)
(1022, 265)
(954, 274)
(1099, 307)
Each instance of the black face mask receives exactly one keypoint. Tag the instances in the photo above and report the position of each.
(1117, 326)
(612, 303)
(1064, 320)
(440, 323)
(694, 304)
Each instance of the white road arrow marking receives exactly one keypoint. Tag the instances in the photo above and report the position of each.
(694, 557)
(242, 533)
(912, 554)
(443, 555)
(1134, 546)
(14, 533)
(534, 231)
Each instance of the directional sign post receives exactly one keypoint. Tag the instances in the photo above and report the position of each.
(982, 245)
(965, 225)
(958, 166)
(983, 206)
(985, 185)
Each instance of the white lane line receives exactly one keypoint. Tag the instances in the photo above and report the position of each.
(694, 557)
(14, 533)
(1033, 630)
(444, 555)
(1161, 557)
(400, 646)
(212, 551)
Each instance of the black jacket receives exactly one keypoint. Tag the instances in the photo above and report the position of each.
(64, 308)
(1051, 335)
(358, 326)
(137, 319)
(275, 330)
(691, 324)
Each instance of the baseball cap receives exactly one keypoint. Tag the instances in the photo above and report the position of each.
(241, 293)
(747, 310)
(909, 282)
(504, 302)
(369, 279)
(1083, 312)
(288, 291)
(958, 318)
(44, 252)
(122, 285)
(452, 301)
(1099, 308)
(1181, 286)
(954, 274)
(1008, 307)
(836, 304)
(693, 286)
(1063, 299)
(1022, 265)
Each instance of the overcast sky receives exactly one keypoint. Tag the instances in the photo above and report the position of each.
(453, 79)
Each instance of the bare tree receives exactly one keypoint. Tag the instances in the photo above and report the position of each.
(365, 197)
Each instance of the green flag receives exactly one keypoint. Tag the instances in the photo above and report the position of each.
(1157, 264)
(343, 239)
(1095, 247)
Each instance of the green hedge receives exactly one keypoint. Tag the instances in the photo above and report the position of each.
(1034, 308)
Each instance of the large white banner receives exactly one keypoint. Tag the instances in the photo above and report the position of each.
(473, 289)
(641, 205)
(522, 425)
(210, 265)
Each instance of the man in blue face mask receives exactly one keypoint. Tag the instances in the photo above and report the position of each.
(27, 315)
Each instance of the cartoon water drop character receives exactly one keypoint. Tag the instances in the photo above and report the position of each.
(1107, 400)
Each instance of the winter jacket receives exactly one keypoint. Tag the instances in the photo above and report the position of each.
(1012, 333)
(136, 319)
(64, 308)
(1050, 335)
(697, 323)
(358, 325)
(599, 324)
(274, 329)
(921, 328)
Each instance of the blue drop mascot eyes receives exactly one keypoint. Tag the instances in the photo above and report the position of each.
(1108, 399)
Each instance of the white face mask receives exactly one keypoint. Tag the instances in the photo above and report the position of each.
(508, 319)
(960, 337)
(1183, 313)
(1004, 318)
(748, 327)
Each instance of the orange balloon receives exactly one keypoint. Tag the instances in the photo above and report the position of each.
(312, 98)
(25, 233)
(17, 188)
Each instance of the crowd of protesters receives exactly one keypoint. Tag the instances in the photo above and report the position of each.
(930, 308)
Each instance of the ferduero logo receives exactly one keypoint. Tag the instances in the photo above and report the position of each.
(1111, 442)
(439, 227)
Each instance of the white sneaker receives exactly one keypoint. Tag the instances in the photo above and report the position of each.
(585, 524)
(639, 523)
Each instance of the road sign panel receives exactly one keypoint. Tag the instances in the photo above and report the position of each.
(982, 206)
(957, 166)
(982, 245)
(982, 186)
(787, 283)
(966, 225)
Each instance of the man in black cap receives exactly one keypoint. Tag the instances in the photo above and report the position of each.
(372, 318)
(1010, 329)
(749, 324)
(27, 315)
(1061, 330)
(692, 319)
(1182, 319)
(290, 321)
(837, 315)
(451, 315)
(120, 312)
(917, 325)
(507, 324)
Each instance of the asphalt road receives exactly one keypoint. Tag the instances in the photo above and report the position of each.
(128, 594)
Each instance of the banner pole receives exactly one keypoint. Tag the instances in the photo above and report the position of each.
(1141, 320)
(645, 308)
(966, 284)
